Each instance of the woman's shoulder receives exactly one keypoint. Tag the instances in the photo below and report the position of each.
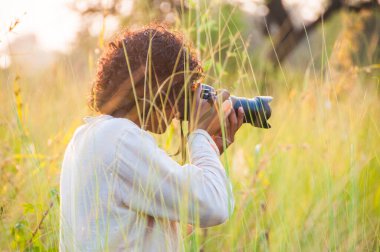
(109, 121)
(107, 126)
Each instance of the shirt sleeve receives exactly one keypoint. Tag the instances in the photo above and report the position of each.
(153, 183)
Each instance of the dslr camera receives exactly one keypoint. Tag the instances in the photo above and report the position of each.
(256, 110)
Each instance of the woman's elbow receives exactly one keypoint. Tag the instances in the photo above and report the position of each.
(219, 217)
(216, 214)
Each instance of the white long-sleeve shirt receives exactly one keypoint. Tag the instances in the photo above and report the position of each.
(121, 192)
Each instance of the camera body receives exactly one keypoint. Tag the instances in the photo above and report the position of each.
(256, 110)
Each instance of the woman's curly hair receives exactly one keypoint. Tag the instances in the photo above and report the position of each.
(139, 63)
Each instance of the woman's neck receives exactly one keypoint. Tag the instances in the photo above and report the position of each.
(131, 115)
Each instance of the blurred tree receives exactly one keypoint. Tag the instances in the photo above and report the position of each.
(279, 21)
(289, 36)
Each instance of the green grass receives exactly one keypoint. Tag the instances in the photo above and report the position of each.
(311, 183)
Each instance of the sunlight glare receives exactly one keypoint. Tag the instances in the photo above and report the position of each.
(53, 23)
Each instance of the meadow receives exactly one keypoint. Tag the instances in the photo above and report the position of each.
(310, 183)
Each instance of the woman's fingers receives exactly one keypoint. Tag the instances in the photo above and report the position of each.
(232, 127)
(227, 108)
(240, 116)
(236, 120)
(223, 95)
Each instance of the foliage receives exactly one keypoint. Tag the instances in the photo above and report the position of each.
(309, 183)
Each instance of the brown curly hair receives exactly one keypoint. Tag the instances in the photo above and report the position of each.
(137, 64)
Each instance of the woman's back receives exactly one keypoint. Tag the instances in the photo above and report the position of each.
(94, 216)
(119, 191)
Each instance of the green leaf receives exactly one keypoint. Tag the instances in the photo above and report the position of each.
(28, 208)
(53, 193)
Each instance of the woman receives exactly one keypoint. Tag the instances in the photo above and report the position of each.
(119, 190)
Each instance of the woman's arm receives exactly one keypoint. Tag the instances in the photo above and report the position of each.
(153, 183)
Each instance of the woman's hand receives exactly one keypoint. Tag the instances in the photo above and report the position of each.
(214, 115)
(233, 123)
(207, 115)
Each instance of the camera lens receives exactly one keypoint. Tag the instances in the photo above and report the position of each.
(256, 110)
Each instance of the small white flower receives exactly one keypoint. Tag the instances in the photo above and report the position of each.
(257, 148)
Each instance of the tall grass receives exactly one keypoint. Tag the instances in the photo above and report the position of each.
(310, 183)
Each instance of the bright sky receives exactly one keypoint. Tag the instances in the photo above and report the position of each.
(53, 23)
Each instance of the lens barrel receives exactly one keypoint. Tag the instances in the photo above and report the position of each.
(256, 110)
